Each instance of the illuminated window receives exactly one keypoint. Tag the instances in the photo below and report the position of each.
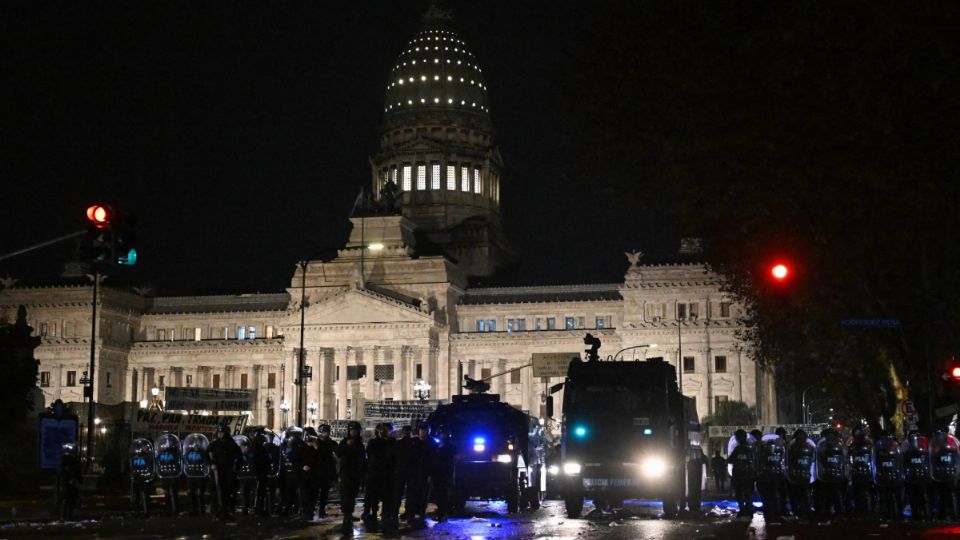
(451, 177)
(71, 378)
(435, 176)
(476, 180)
(393, 175)
(406, 178)
(465, 179)
(421, 177)
(241, 332)
(44, 379)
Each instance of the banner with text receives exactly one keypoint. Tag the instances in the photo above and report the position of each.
(552, 364)
(150, 421)
(727, 431)
(209, 399)
(399, 412)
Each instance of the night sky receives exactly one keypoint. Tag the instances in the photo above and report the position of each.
(239, 133)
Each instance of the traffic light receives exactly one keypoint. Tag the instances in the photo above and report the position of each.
(780, 272)
(111, 237)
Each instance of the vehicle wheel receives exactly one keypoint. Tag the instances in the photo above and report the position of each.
(670, 506)
(574, 505)
(513, 499)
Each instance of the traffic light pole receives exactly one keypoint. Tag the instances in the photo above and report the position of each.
(301, 380)
(93, 363)
(43, 244)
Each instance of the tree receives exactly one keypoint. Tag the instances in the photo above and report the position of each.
(19, 370)
(817, 130)
(731, 413)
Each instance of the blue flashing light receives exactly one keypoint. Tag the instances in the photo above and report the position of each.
(647, 431)
(479, 444)
(479, 440)
(580, 432)
(479, 448)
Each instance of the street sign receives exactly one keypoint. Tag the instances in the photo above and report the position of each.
(552, 364)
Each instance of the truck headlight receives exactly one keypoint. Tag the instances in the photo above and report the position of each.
(571, 467)
(553, 469)
(504, 458)
(653, 467)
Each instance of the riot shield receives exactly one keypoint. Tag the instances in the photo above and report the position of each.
(831, 463)
(141, 460)
(732, 444)
(292, 439)
(800, 458)
(771, 458)
(862, 461)
(245, 467)
(916, 459)
(888, 468)
(169, 462)
(195, 461)
(744, 463)
(944, 452)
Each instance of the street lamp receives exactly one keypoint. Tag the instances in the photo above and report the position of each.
(155, 403)
(421, 390)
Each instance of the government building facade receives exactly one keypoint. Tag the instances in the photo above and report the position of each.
(394, 308)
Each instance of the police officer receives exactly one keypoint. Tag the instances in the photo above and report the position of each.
(69, 480)
(441, 476)
(224, 457)
(889, 477)
(353, 460)
(196, 464)
(402, 470)
(800, 458)
(916, 474)
(381, 464)
(267, 490)
(141, 475)
(861, 452)
(742, 461)
(418, 470)
(305, 459)
(292, 440)
(771, 471)
(944, 450)
(260, 467)
(718, 465)
(326, 467)
(831, 474)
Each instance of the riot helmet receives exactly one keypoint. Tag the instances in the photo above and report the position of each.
(224, 429)
(309, 434)
(740, 436)
(324, 428)
(800, 435)
(781, 432)
(354, 426)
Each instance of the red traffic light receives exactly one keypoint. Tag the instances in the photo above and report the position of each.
(780, 272)
(955, 372)
(99, 215)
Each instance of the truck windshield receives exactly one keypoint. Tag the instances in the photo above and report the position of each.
(614, 397)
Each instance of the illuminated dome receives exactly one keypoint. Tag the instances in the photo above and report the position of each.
(436, 70)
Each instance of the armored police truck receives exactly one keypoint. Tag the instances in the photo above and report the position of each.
(627, 432)
(499, 451)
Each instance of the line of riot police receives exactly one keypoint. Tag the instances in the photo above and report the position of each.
(833, 478)
(294, 477)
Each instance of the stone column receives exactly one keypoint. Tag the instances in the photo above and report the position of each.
(500, 383)
(342, 388)
(370, 388)
(320, 374)
(402, 375)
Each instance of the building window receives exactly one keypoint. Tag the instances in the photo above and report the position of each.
(510, 325)
(476, 180)
(243, 380)
(197, 334)
(43, 329)
(52, 329)
(406, 178)
(421, 177)
(687, 311)
(481, 325)
(216, 380)
(465, 179)
(189, 380)
(581, 321)
(383, 372)
(393, 175)
(689, 364)
(717, 400)
(241, 331)
(270, 418)
(419, 371)
(515, 377)
(720, 364)
(161, 334)
(269, 331)
(337, 377)
(601, 324)
(71, 378)
(435, 176)
(724, 309)
(161, 381)
(271, 380)
(44, 379)
(109, 383)
(570, 323)
(451, 177)
(491, 325)
(485, 373)
(536, 323)
(252, 332)
(186, 333)
(355, 372)
(521, 325)
(681, 311)
(551, 323)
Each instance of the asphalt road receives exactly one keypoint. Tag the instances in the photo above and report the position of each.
(639, 520)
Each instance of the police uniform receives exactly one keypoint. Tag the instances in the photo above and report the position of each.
(224, 456)
(305, 464)
(69, 480)
(326, 468)
(743, 463)
(418, 470)
(381, 463)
